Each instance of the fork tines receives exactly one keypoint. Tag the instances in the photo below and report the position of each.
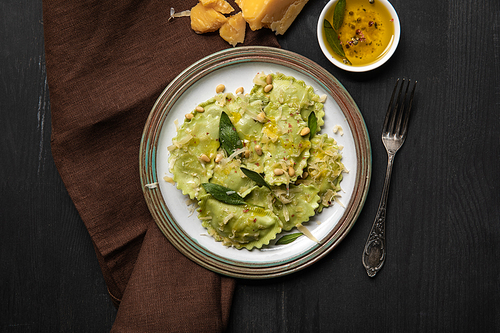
(394, 123)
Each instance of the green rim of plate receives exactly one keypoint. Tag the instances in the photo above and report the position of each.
(148, 171)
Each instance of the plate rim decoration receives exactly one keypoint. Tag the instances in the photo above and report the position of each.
(148, 161)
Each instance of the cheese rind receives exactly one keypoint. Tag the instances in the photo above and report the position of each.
(277, 15)
(281, 26)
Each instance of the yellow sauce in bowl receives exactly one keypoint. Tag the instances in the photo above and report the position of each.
(367, 32)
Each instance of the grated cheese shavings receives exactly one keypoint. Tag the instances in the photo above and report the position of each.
(286, 214)
(306, 232)
(338, 129)
(236, 153)
(173, 14)
(151, 186)
(169, 179)
(227, 218)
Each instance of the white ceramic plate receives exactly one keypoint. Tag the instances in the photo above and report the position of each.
(234, 68)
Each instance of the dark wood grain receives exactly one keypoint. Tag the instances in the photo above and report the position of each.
(443, 226)
(50, 279)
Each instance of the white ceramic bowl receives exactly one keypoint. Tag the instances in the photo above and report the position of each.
(371, 66)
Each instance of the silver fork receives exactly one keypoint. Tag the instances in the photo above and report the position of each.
(393, 136)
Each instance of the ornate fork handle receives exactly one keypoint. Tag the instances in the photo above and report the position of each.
(393, 136)
(375, 250)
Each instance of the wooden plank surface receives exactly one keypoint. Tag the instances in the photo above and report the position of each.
(441, 273)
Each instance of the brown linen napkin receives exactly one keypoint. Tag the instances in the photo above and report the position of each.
(107, 62)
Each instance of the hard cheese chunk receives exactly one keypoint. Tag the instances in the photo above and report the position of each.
(221, 6)
(206, 19)
(277, 15)
(233, 31)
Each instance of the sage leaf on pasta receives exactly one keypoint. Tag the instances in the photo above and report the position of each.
(224, 194)
(256, 177)
(312, 123)
(228, 137)
(287, 239)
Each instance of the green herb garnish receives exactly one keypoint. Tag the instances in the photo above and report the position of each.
(338, 14)
(224, 194)
(312, 123)
(331, 32)
(228, 137)
(287, 239)
(256, 177)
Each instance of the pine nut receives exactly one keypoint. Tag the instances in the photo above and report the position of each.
(220, 88)
(247, 153)
(218, 158)
(239, 90)
(268, 88)
(189, 116)
(204, 158)
(291, 171)
(269, 79)
(258, 150)
(200, 109)
(278, 172)
(305, 131)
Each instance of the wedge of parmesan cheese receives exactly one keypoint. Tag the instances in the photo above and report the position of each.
(222, 6)
(206, 19)
(277, 15)
(233, 31)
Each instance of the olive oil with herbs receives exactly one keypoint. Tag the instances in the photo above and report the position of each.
(366, 34)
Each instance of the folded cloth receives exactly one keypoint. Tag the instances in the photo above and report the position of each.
(107, 62)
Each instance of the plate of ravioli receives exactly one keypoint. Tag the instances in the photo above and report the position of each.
(255, 162)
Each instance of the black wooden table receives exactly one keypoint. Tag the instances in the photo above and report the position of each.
(442, 273)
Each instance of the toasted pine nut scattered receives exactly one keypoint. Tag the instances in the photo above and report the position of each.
(258, 150)
(218, 158)
(305, 174)
(247, 153)
(189, 116)
(268, 88)
(305, 131)
(220, 88)
(278, 172)
(269, 79)
(261, 117)
(200, 109)
(239, 90)
(204, 158)
(291, 171)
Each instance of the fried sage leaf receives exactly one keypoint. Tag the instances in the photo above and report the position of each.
(333, 39)
(224, 194)
(287, 239)
(312, 123)
(256, 177)
(338, 15)
(331, 31)
(228, 137)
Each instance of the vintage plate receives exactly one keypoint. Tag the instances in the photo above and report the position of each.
(234, 68)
